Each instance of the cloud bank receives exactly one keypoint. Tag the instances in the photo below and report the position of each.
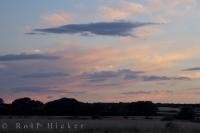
(45, 75)
(192, 69)
(36, 89)
(24, 56)
(127, 74)
(44, 90)
(116, 28)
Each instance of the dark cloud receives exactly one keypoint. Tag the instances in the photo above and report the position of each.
(45, 75)
(118, 28)
(39, 90)
(99, 76)
(156, 78)
(129, 74)
(35, 89)
(161, 78)
(193, 89)
(138, 92)
(145, 92)
(126, 74)
(181, 78)
(192, 69)
(24, 56)
(76, 92)
(104, 75)
(107, 84)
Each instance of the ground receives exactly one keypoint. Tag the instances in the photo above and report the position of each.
(100, 125)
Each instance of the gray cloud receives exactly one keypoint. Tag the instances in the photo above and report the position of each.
(156, 78)
(145, 92)
(161, 78)
(126, 74)
(36, 89)
(24, 56)
(138, 92)
(104, 75)
(117, 28)
(45, 75)
(192, 69)
(39, 90)
(99, 76)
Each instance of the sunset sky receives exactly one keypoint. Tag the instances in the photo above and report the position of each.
(100, 50)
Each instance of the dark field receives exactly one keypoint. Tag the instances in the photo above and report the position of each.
(101, 125)
(71, 116)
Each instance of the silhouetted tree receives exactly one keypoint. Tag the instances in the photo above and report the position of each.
(1, 101)
(63, 106)
(186, 113)
(26, 106)
(70, 106)
(1, 106)
(143, 108)
(5, 109)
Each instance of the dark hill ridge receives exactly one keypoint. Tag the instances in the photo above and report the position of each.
(72, 107)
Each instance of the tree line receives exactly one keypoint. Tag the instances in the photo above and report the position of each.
(72, 107)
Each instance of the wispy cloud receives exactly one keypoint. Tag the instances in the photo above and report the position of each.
(126, 74)
(116, 28)
(43, 90)
(104, 75)
(45, 75)
(123, 11)
(56, 18)
(162, 11)
(145, 92)
(36, 89)
(142, 58)
(160, 78)
(192, 69)
(24, 56)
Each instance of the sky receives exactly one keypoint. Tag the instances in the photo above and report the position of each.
(100, 50)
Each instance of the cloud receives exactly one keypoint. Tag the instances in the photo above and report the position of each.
(117, 28)
(140, 58)
(56, 18)
(100, 76)
(160, 78)
(169, 10)
(113, 14)
(161, 10)
(126, 74)
(45, 75)
(35, 89)
(192, 69)
(145, 92)
(123, 10)
(24, 56)
(104, 75)
(147, 31)
(44, 90)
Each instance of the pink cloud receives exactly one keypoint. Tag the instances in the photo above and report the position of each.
(57, 18)
(122, 11)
